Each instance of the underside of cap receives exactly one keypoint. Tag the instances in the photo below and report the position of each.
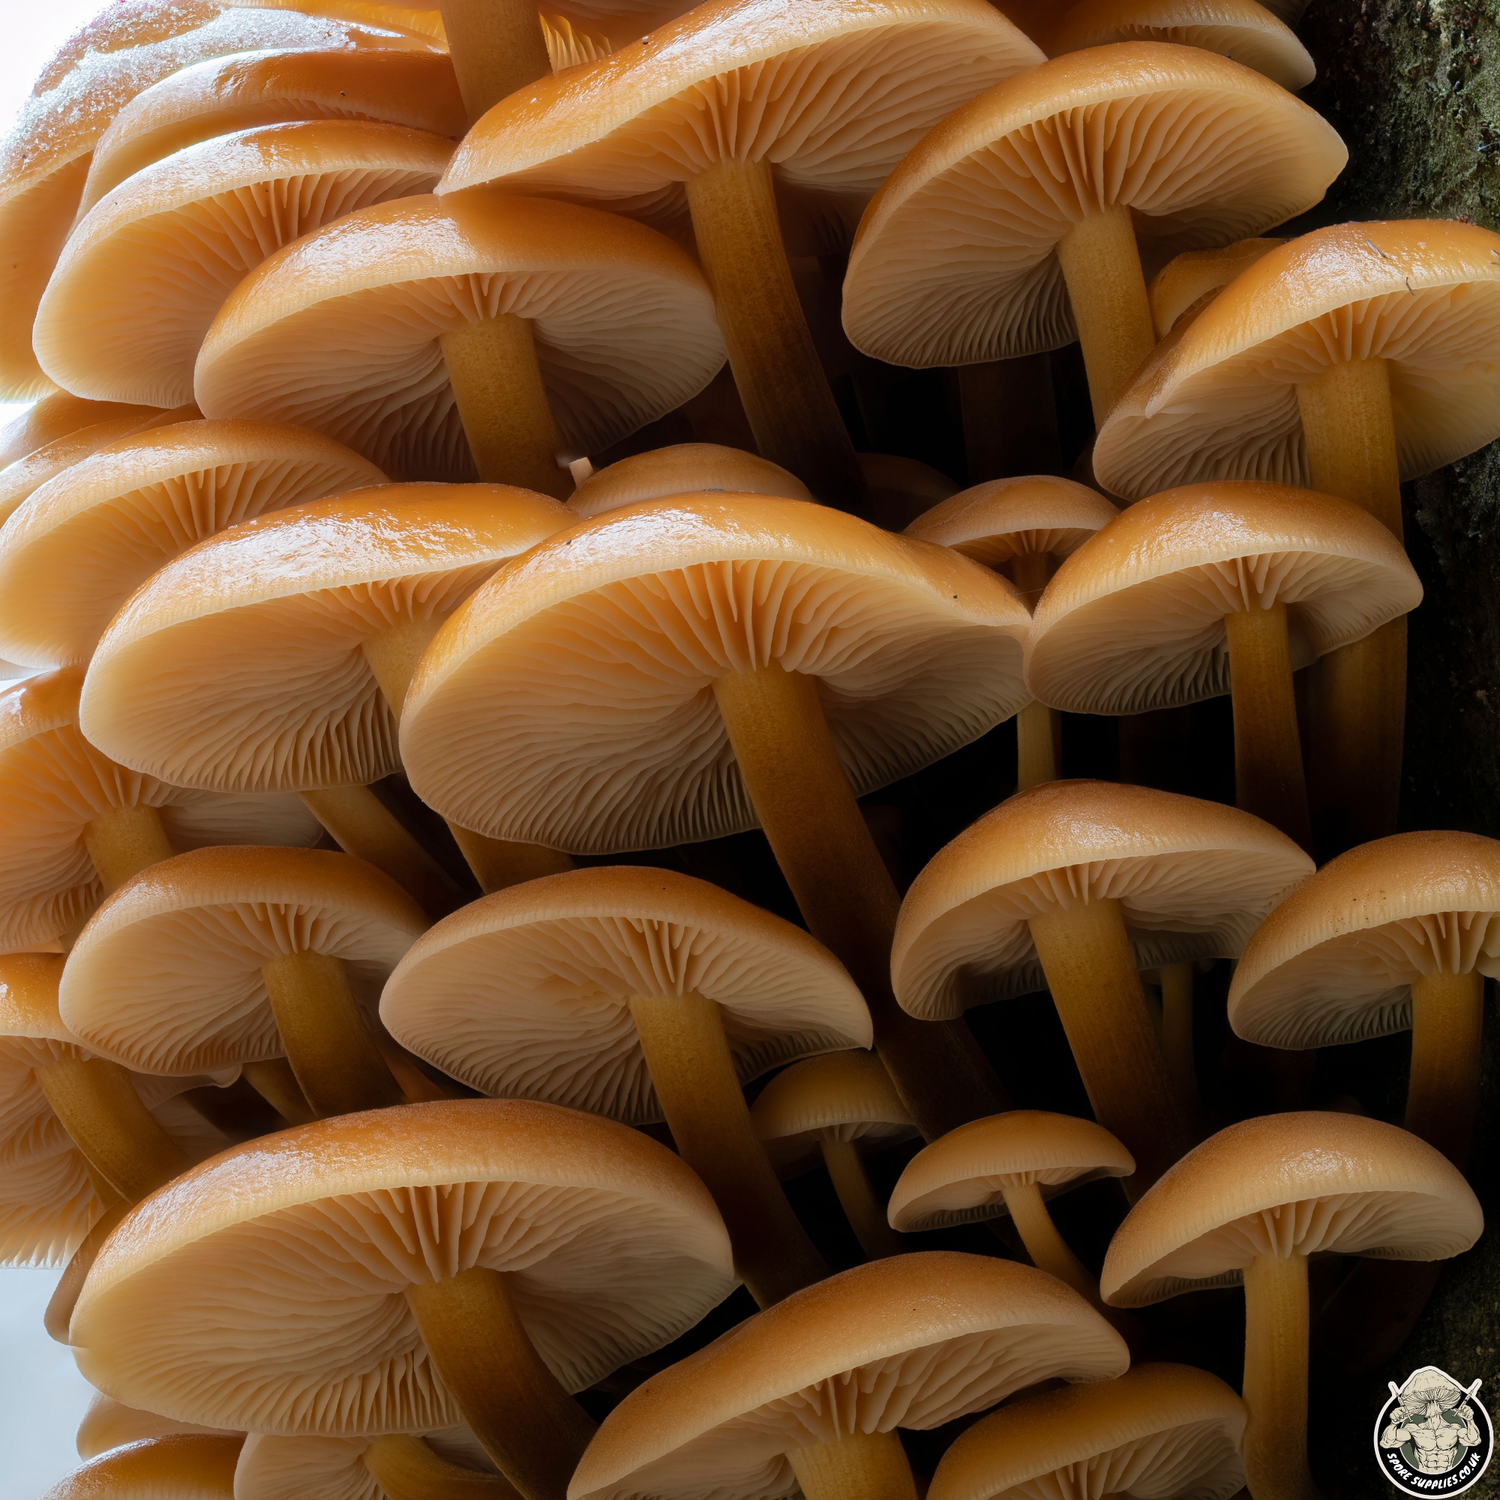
(683, 469)
(1002, 519)
(47, 1206)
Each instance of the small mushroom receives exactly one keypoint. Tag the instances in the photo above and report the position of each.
(711, 115)
(638, 994)
(682, 469)
(59, 415)
(1012, 227)
(1190, 281)
(680, 669)
(1219, 587)
(825, 1110)
(1250, 1205)
(448, 1465)
(1158, 1430)
(184, 1467)
(1075, 886)
(1022, 528)
(810, 1392)
(108, 1424)
(458, 1262)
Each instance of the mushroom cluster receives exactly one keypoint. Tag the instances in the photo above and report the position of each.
(533, 961)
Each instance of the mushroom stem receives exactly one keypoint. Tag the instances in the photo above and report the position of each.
(791, 410)
(329, 1046)
(682, 1037)
(275, 1082)
(497, 384)
(497, 46)
(1177, 1034)
(123, 841)
(362, 825)
(405, 1468)
(1102, 268)
(1268, 777)
(1090, 968)
(856, 1466)
(1275, 1383)
(1350, 433)
(120, 1139)
(512, 1402)
(797, 785)
(1447, 1017)
(865, 1213)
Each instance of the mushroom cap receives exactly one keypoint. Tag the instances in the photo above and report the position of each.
(1003, 519)
(238, 666)
(683, 469)
(332, 1468)
(832, 93)
(184, 1467)
(45, 159)
(526, 993)
(842, 1096)
(108, 1423)
(56, 416)
(54, 782)
(1134, 619)
(908, 1341)
(47, 1207)
(1193, 880)
(166, 977)
(570, 701)
(1221, 402)
(1336, 960)
(224, 94)
(954, 262)
(1190, 281)
(1238, 29)
(1158, 1430)
(85, 540)
(960, 1178)
(901, 488)
(340, 330)
(1293, 1184)
(143, 276)
(611, 1244)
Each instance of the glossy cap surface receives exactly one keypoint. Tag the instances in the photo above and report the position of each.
(841, 1096)
(1190, 281)
(683, 469)
(1003, 519)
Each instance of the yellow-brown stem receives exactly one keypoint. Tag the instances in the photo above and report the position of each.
(797, 785)
(682, 1038)
(405, 1468)
(275, 1082)
(1447, 1017)
(97, 1105)
(792, 412)
(865, 1213)
(1102, 268)
(1090, 969)
(64, 1297)
(1177, 1036)
(417, 1087)
(123, 841)
(1010, 418)
(497, 385)
(857, 1466)
(1350, 433)
(1275, 1384)
(327, 1041)
(362, 825)
(497, 46)
(1267, 748)
(512, 1402)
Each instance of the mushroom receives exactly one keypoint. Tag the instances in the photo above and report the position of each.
(707, 118)
(447, 1465)
(84, 541)
(78, 825)
(637, 994)
(681, 669)
(809, 1393)
(58, 415)
(221, 95)
(682, 469)
(141, 278)
(901, 489)
(184, 1467)
(242, 955)
(1190, 281)
(1022, 528)
(1250, 1205)
(48, 1206)
(187, 680)
(108, 1424)
(1157, 1430)
(1395, 935)
(824, 1110)
(1012, 226)
(1346, 361)
(1219, 587)
(1075, 886)
(456, 1262)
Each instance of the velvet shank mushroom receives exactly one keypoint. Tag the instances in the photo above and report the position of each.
(1075, 886)
(184, 1467)
(57, 416)
(464, 1262)
(107, 1423)
(1190, 281)
(447, 1465)
(683, 469)
(679, 669)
